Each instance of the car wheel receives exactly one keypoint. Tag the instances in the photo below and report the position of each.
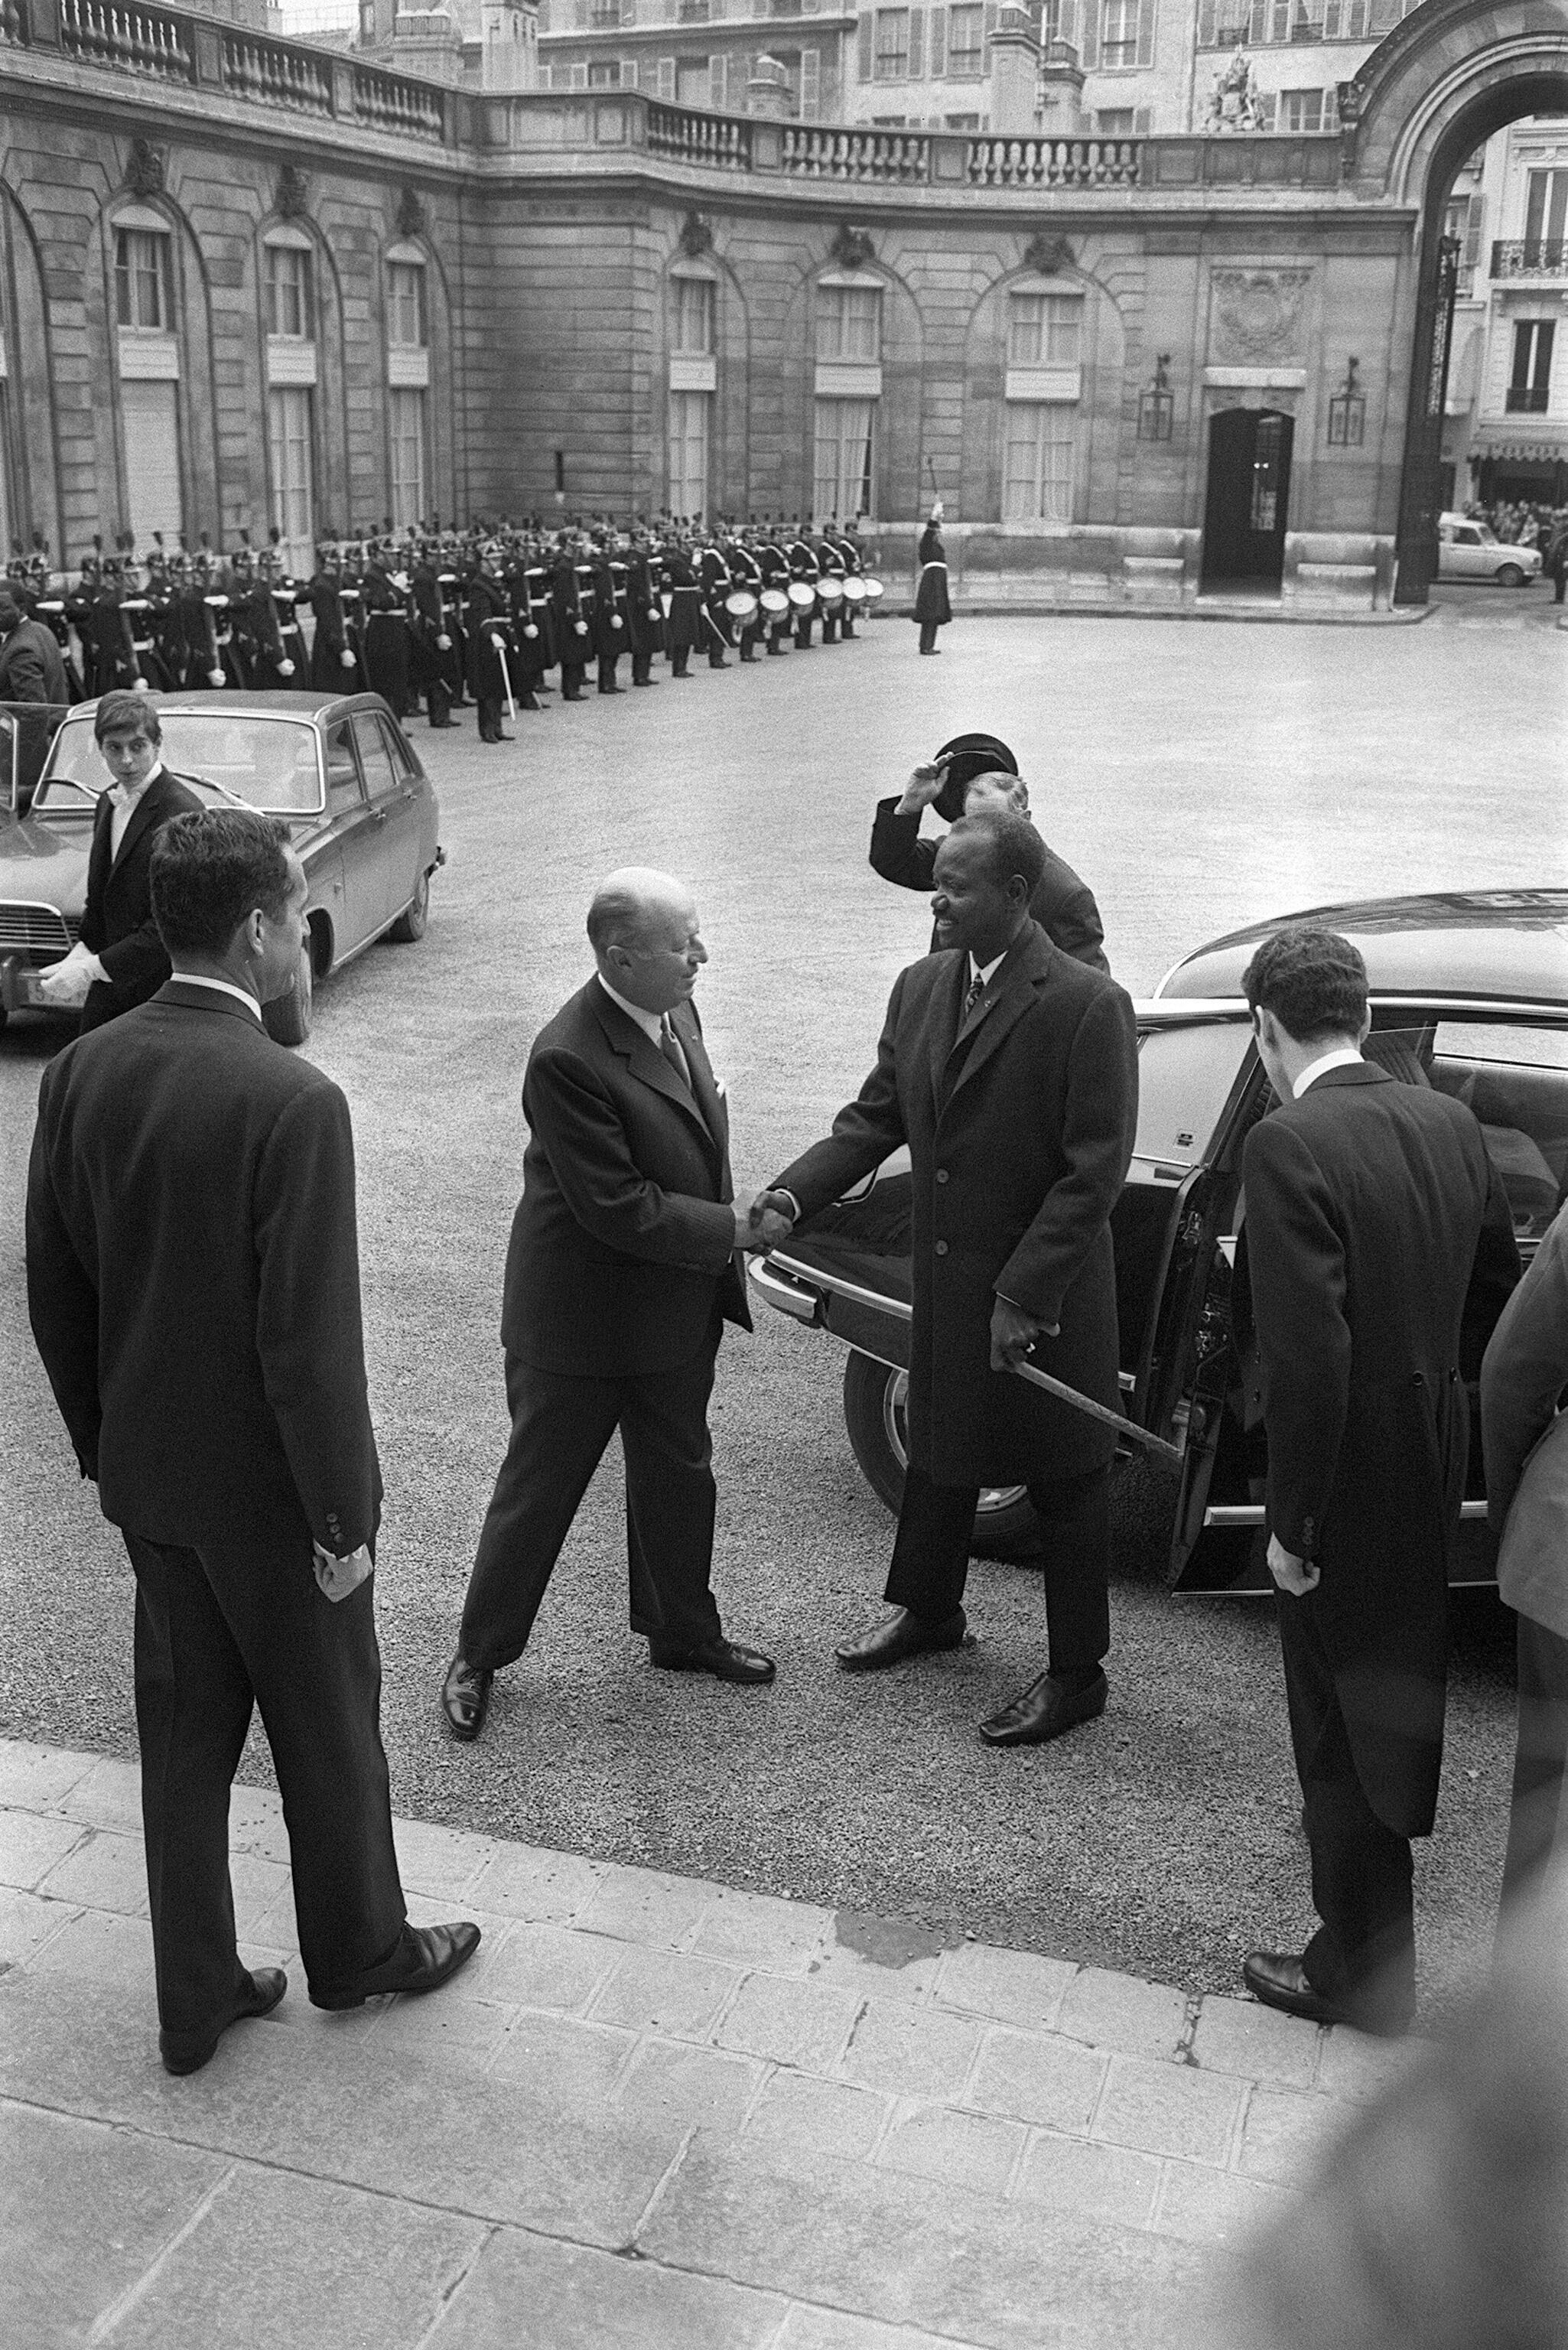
(288, 1018)
(1004, 1524)
(415, 919)
(1508, 574)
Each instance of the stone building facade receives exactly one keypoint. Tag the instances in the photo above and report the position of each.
(331, 295)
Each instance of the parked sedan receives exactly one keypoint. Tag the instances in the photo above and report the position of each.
(1471, 550)
(338, 768)
(1470, 993)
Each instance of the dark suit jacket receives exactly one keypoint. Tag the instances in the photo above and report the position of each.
(1370, 1205)
(621, 1248)
(1019, 1126)
(193, 1279)
(1062, 905)
(32, 667)
(117, 920)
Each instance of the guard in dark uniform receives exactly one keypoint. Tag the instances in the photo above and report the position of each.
(610, 618)
(747, 574)
(644, 612)
(773, 565)
(803, 572)
(686, 625)
(488, 621)
(573, 633)
(932, 610)
(714, 581)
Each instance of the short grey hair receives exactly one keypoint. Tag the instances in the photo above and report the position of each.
(616, 918)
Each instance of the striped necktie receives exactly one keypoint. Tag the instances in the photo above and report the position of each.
(671, 1046)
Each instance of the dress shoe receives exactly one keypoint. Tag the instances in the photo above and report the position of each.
(725, 1659)
(1046, 1708)
(187, 2052)
(425, 1958)
(466, 1697)
(1279, 1978)
(899, 1635)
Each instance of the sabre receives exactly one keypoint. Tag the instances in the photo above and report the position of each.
(931, 468)
(1173, 1455)
(500, 644)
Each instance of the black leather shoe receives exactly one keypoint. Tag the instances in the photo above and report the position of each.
(1279, 1978)
(725, 1659)
(425, 1958)
(899, 1635)
(1046, 1708)
(187, 2052)
(466, 1697)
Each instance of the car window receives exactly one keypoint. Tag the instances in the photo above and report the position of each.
(1515, 1079)
(1185, 1077)
(404, 765)
(1468, 538)
(374, 756)
(343, 792)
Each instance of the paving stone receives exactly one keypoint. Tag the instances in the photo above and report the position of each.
(106, 1872)
(526, 1881)
(256, 1824)
(1104, 2182)
(37, 1778)
(107, 1796)
(1169, 2109)
(910, 1983)
(299, 2264)
(1038, 2078)
(639, 1905)
(800, 2024)
(972, 2149)
(441, 2029)
(911, 2052)
(1139, 2019)
(84, 2210)
(27, 1923)
(31, 1845)
(1010, 1986)
(259, 1886)
(761, 1931)
(554, 2053)
(1286, 2132)
(1240, 2035)
(99, 1944)
(669, 2085)
(441, 1862)
(524, 2287)
(798, 2119)
(1353, 2064)
(916, 2252)
(661, 1991)
(542, 1966)
(808, 2328)
(1215, 2207)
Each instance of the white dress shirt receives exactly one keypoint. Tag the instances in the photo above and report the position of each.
(125, 803)
(987, 973)
(219, 987)
(1340, 1058)
(650, 1023)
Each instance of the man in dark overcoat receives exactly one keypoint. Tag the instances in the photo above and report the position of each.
(933, 609)
(487, 624)
(1012, 1074)
(1373, 1214)
(193, 1286)
(969, 774)
(645, 614)
(685, 628)
(623, 1268)
(31, 666)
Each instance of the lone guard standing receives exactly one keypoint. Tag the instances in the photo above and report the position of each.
(932, 610)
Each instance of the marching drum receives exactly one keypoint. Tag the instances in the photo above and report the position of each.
(802, 597)
(741, 605)
(855, 591)
(774, 602)
(875, 591)
(830, 590)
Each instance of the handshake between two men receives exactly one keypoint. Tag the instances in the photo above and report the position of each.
(762, 1219)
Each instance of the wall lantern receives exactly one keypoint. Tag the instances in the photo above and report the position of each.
(1347, 412)
(1157, 406)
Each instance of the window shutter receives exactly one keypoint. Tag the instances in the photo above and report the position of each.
(580, 77)
(1145, 32)
(991, 12)
(1206, 18)
(667, 80)
(716, 84)
(1258, 24)
(863, 63)
(1143, 122)
(939, 43)
(580, 14)
(1091, 54)
(1471, 256)
(628, 16)
(916, 44)
(811, 84)
(1268, 100)
(628, 73)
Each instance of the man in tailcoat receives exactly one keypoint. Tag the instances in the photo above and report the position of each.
(1012, 1074)
(645, 614)
(193, 1286)
(624, 1266)
(118, 959)
(968, 775)
(1372, 1216)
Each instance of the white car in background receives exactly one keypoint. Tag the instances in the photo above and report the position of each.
(1471, 550)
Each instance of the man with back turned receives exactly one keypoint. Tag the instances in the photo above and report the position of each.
(193, 1283)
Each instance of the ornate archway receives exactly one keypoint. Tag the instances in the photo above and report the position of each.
(1443, 82)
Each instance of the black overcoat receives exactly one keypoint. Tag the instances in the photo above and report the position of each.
(931, 602)
(1063, 903)
(1370, 1208)
(117, 915)
(1020, 1143)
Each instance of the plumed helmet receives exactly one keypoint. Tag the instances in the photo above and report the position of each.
(969, 755)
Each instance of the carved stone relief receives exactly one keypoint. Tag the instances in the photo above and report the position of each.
(1255, 316)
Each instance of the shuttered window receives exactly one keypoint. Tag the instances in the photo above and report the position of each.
(151, 459)
(1118, 34)
(1145, 32)
(811, 84)
(667, 80)
(966, 40)
(863, 60)
(916, 43)
(939, 31)
(892, 43)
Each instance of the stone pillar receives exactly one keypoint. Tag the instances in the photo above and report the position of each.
(1014, 73)
(768, 93)
(511, 35)
(428, 44)
(1059, 100)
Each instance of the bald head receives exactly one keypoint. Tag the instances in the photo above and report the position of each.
(642, 927)
(987, 794)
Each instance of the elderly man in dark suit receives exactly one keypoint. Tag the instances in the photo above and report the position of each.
(1372, 1213)
(1012, 1072)
(969, 775)
(120, 961)
(32, 667)
(623, 1268)
(193, 1282)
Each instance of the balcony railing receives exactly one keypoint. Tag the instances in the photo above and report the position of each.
(721, 142)
(1527, 398)
(889, 158)
(1054, 163)
(133, 40)
(1529, 256)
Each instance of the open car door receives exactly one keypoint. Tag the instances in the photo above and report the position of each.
(26, 731)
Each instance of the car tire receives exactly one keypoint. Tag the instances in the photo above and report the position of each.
(1508, 574)
(288, 1017)
(415, 919)
(1005, 1525)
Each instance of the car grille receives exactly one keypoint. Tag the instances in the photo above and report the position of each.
(39, 934)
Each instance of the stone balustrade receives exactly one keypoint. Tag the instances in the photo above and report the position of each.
(1054, 163)
(818, 151)
(1531, 256)
(719, 141)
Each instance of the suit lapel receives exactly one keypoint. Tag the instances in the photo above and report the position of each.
(709, 1100)
(98, 853)
(141, 817)
(944, 1014)
(648, 1062)
(1026, 969)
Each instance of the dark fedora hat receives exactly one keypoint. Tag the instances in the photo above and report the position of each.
(967, 756)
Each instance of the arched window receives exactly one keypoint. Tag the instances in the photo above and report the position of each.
(288, 314)
(848, 392)
(408, 383)
(1044, 396)
(693, 336)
